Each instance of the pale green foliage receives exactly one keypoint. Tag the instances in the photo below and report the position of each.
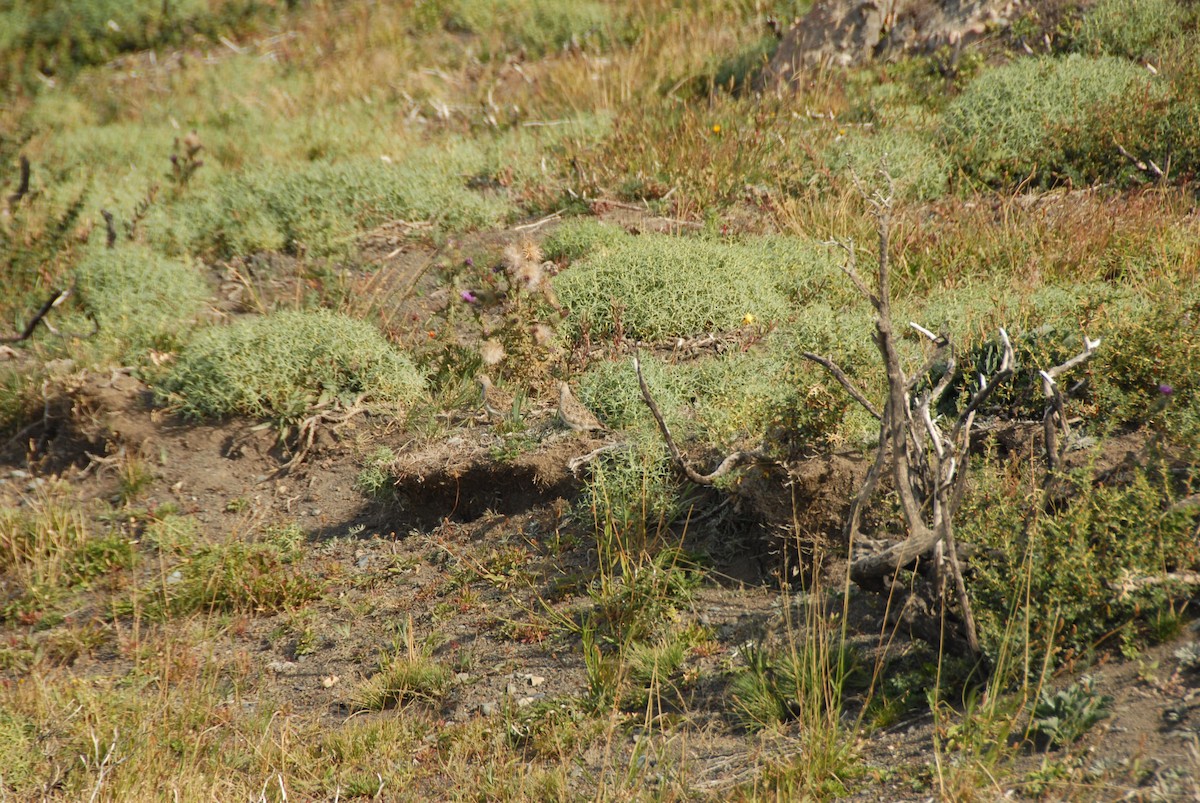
(578, 237)
(1062, 717)
(610, 389)
(919, 169)
(1133, 29)
(634, 489)
(656, 286)
(535, 26)
(282, 364)
(1051, 117)
(319, 208)
(141, 300)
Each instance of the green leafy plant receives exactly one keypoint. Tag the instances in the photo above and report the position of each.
(1060, 718)
(375, 480)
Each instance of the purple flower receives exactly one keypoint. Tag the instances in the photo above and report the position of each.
(468, 296)
(470, 263)
(1165, 389)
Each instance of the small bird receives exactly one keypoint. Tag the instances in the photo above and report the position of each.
(573, 414)
(496, 403)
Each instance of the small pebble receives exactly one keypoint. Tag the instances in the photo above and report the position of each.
(488, 709)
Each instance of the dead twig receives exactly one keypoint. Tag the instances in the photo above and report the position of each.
(829, 365)
(56, 297)
(1056, 428)
(728, 464)
(927, 460)
(1148, 167)
(110, 228)
(22, 182)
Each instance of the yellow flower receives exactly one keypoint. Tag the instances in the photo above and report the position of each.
(748, 319)
(716, 128)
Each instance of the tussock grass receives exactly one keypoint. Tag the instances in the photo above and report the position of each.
(47, 549)
(534, 27)
(281, 365)
(233, 576)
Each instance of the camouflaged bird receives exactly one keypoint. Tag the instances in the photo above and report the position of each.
(496, 403)
(573, 414)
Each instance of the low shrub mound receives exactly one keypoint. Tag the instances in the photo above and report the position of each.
(140, 300)
(317, 209)
(655, 287)
(1135, 29)
(1082, 565)
(1056, 120)
(281, 365)
(60, 37)
(578, 237)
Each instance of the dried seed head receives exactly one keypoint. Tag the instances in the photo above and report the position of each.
(513, 260)
(531, 275)
(531, 251)
(491, 351)
(543, 335)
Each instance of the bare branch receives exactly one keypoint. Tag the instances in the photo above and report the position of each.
(22, 182)
(986, 388)
(1054, 421)
(1148, 167)
(727, 465)
(110, 228)
(56, 298)
(846, 382)
(850, 268)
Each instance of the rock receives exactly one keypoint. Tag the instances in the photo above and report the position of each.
(535, 680)
(282, 667)
(846, 32)
(462, 677)
(489, 709)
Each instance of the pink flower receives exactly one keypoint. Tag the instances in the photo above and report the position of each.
(468, 296)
